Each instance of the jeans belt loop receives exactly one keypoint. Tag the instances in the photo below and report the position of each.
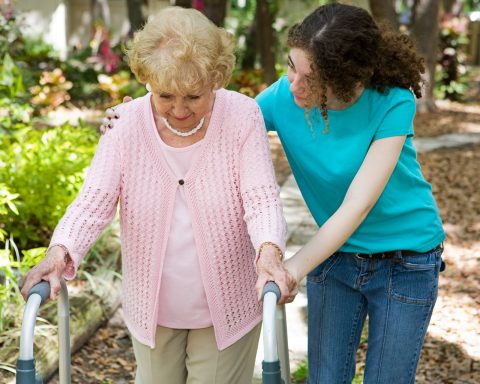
(398, 256)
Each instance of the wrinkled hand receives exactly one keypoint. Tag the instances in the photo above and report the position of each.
(110, 116)
(50, 269)
(271, 268)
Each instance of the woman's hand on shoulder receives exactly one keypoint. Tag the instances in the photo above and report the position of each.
(111, 115)
(271, 268)
(50, 269)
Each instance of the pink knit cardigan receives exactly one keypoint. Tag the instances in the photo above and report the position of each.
(230, 190)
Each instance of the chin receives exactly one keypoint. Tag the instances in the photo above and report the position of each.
(300, 103)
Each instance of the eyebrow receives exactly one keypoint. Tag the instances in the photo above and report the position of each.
(290, 62)
(164, 94)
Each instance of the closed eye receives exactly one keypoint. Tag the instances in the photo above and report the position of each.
(290, 63)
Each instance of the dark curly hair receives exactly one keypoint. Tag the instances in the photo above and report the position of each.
(347, 47)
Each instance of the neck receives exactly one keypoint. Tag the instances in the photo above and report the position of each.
(336, 104)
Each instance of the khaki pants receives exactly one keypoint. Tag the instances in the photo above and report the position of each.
(183, 356)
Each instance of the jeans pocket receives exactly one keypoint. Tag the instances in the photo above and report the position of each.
(414, 279)
(319, 273)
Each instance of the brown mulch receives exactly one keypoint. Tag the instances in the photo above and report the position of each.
(282, 168)
(451, 354)
(451, 117)
(107, 357)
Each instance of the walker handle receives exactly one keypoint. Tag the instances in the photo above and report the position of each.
(42, 289)
(271, 286)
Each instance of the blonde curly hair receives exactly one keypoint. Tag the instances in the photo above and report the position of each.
(181, 51)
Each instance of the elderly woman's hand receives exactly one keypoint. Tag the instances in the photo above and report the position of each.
(271, 268)
(110, 116)
(50, 269)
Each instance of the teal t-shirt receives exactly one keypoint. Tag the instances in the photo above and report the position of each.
(324, 165)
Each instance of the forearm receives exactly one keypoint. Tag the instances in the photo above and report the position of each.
(362, 195)
(329, 238)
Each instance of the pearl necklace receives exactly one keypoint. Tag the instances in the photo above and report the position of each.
(183, 134)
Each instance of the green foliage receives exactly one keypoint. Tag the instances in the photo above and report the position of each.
(11, 81)
(301, 373)
(450, 77)
(96, 76)
(13, 115)
(42, 168)
(46, 169)
(7, 206)
(15, 112)
(31, 56)
(83, 76)
(10, 31)
(10, 298)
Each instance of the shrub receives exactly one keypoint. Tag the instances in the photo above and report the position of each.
(450, 76)
(45, 168)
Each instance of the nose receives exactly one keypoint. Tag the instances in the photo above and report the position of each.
(296, 85)
(180, 109)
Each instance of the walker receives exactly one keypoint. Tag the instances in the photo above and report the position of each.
(274, 329)
(276, 364)
(26, 373)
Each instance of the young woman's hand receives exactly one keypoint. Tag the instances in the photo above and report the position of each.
(110, 116)
(271, 268)
(50, 269)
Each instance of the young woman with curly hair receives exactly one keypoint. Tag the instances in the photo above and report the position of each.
(344, 114)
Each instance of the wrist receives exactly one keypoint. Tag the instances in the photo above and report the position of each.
(269, 249)
(58, 252)
(292, 268)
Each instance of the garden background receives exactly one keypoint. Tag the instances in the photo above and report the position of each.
(62, 65)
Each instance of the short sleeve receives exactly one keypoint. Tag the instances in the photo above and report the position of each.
(266, 101)
(398, 119)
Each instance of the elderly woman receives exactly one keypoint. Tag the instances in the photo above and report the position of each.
(190, 166)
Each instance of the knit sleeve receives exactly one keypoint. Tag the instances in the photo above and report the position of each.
(94, 207)
(259, 189)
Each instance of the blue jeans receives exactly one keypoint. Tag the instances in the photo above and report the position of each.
(397, 294)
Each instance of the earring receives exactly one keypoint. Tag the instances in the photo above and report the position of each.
(149, 87)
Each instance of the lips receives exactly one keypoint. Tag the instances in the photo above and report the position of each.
(181, 118)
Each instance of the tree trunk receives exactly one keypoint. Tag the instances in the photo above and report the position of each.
(453, 7)
(216, 11)
(424, 29)
(383, 10)
(266, 40)
(251, 48)
(137, 14)
(183, 3)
